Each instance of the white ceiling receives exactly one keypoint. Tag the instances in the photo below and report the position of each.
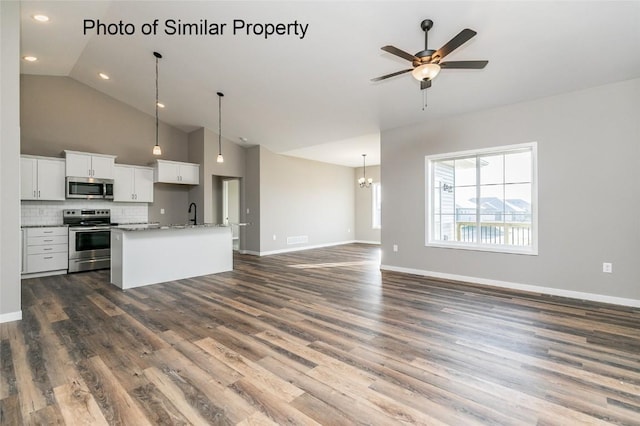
(313, 97)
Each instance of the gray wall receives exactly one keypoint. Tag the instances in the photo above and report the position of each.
(364, 206)
(203, 149)
(588, 192)
(10, 308)
(59, 113)
(302, 197)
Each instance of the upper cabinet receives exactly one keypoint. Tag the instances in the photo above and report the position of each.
(166, 171)
(82, 164)
(133, 184)
(42, 178)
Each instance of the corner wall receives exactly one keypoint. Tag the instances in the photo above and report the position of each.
(588, 193)
(10, 308)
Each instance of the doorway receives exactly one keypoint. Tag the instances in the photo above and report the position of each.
(231, 208)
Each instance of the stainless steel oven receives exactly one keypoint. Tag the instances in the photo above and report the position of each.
(89, 239)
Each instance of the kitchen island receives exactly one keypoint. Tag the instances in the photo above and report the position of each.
(150, 254)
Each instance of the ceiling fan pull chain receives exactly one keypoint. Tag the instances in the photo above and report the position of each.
(424, 98)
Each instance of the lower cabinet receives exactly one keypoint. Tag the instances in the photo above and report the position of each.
(45, 250)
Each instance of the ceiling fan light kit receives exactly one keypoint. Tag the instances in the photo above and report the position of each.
(426, 71)
(427, 63)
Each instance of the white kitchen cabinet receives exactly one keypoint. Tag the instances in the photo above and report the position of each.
(166, 171)
(82, 164)
(133, 184)
(45, 250)
(42, 178)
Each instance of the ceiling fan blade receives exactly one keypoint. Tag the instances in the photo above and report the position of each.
(393, 74)
(476, 65)
(462, 37)
(401, 53)
(425, 84)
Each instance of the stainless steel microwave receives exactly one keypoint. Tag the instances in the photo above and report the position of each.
(89, 188)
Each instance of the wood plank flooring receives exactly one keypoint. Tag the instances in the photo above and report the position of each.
(314, 337)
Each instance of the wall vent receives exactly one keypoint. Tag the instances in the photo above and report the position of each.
(300, 239)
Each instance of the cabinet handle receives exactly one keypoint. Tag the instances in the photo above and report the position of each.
(34, 193)
(48, 241)
(47, 232)
(38, 193)
(48, 257)
(47, 249)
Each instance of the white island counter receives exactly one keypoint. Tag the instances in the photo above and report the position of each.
(151, 254)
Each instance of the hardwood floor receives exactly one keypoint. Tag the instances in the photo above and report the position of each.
(314, 337)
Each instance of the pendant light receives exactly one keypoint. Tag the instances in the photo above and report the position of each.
(363, 181)
(220, 158)
(156, 149)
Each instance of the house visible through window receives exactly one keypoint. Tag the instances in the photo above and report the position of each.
(377, 206)
(483, 200)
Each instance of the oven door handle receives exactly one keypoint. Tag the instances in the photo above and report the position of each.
(90, 228)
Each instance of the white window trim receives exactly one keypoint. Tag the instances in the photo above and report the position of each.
(531, 250)
(373, 207)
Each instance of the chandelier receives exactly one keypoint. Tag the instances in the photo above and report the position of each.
(363, 181)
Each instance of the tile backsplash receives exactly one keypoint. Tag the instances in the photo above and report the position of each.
(50, 212)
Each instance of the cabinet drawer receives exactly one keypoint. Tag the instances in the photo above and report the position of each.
(47, 262)
(53, 248)
(40, 241)
(47, 232)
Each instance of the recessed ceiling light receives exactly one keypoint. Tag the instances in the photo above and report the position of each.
(243, 139)
(160, 105)
(41, 18)
(104, 76)
(30, 58)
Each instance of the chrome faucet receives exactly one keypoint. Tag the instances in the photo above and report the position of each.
(195, 213)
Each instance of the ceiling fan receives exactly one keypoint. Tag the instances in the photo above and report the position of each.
(427, 63)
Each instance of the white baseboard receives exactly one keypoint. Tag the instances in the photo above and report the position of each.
(377, 243)
(517, 286)
(11, 316)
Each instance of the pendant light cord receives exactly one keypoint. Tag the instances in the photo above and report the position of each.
(220, 95)
(156, 100)
(364, 166)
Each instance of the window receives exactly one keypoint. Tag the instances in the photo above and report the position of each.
(483, 200)
(376, 221)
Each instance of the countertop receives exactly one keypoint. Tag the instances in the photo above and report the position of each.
(155, 226)
(44, 226)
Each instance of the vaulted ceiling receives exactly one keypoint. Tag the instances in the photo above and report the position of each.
(310, 95)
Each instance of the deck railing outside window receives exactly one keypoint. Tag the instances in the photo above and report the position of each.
(510, 233)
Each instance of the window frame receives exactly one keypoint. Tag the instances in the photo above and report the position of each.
(374, 207)
(479, 246)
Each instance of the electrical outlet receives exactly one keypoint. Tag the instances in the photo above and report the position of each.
(161, 211)
(607, 267)
(274, 237)
(395, 247)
